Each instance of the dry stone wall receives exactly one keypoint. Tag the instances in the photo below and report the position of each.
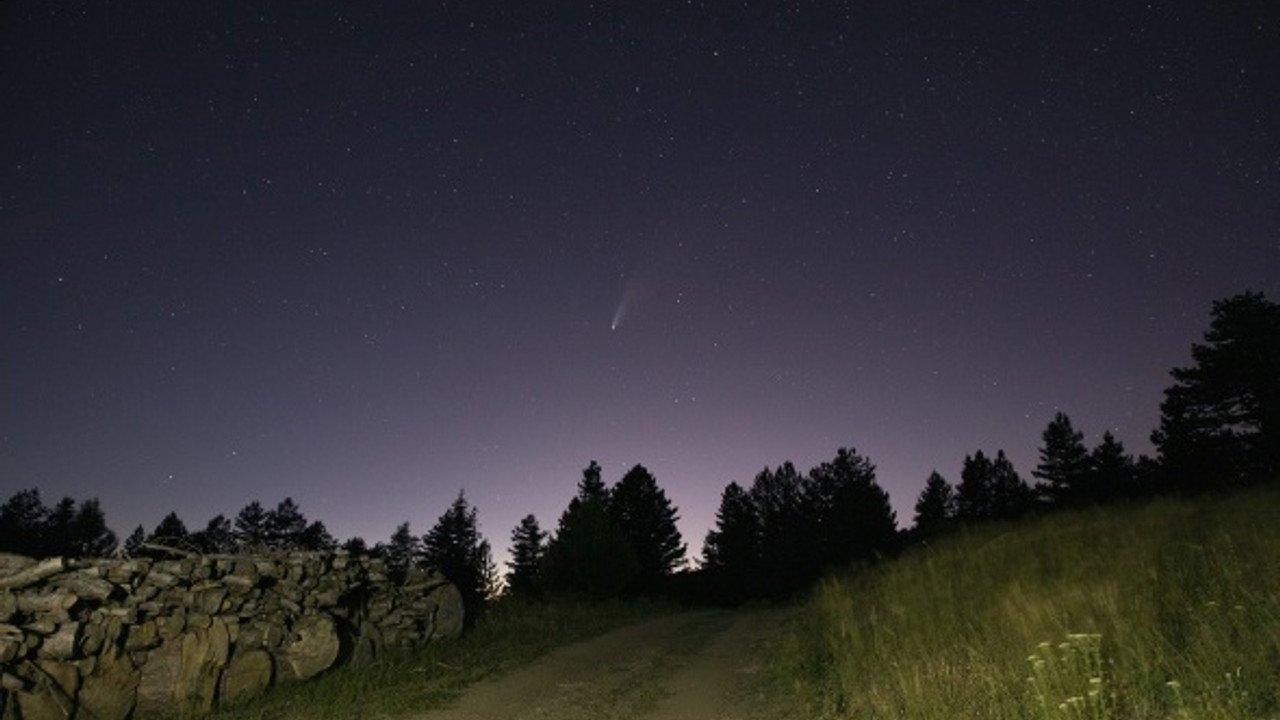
(111, 639)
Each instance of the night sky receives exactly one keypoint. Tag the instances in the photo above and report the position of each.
(367, 256)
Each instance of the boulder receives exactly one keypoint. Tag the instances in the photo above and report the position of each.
(110, 692)
(204, 653)
(313, 647)
(449, 612)
(248, 675)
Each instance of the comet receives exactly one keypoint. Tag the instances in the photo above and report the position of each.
(627, 296)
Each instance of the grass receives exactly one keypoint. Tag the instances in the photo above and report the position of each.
(511, 635)
(1169, 609)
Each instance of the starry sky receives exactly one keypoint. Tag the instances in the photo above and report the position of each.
(367, 255)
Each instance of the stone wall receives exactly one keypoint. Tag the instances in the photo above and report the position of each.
(109, 639)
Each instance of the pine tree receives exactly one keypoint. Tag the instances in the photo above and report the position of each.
(1064, 470)
(1114, 472)
(401, 552)
(285, 525)
(848, 510)
(1011, 496)
(528, 543)
(90, 535)
(787, 537)
(57, 532)
(356, 546)
(975, 495)
(133, 543)
(216, 537)
(22, 523)
(731, 552)
(936, 507)
(455, 548)
(251, 527)
(1220, 420)
(647, 521)
(171, 532)
(315, 537)
(588, 555)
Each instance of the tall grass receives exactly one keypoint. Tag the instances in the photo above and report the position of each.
(407, 682)
(1169, 609)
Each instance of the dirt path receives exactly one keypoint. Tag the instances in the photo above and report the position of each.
(692, 666)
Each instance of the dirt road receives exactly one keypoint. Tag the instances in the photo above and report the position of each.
(692, 666)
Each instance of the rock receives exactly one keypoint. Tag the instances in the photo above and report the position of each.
(159, 678)
(62, 644)
(54, 695)
(313, 648)
(449, 612)
(110, 692)
(248, 675)
(204, 653)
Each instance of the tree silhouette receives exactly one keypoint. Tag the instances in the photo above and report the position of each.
(647, 522)
(171, 532)
(22, 523)
(1220, 421)
(90, 536)
(731, 552)
(356, 546)
(1115, 474)
(316, 537)
(786, 534)
(133, 543)
(1011, 496)
(216, 537)
(58, 528)
(935, 508)
(251, 527)
(589, 555)
(849, 512)
(285, 525)
(528, 544)
(456, 549)
(401, 552)
(975, 495)
(1064, 470)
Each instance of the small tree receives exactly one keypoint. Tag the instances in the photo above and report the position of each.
(1114, 472)
(401, 551)
(731, 552)
(356, 546)
(171, 532)
(59, 528)
(975, 494)
(133, 543)
(455, 548)
(251, 527)
(285, 525)
(216, 537)
(936, 507)
(316, 537)
(528, 544)
(647, 522)
(1011, 496)
(1064, 470)
(90, 535)
(22, 523)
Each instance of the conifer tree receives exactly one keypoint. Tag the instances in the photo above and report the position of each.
(171, 532)
(285, 525)
(1064, 470)
(1220, 420)
(90, 535)
(455, 548)
(528, 543)
(647, 522)
(588, 555)
(848, 510)
(133, 543)
(787, 544)
(22, 523)
(401, 552)
(975, 494)
(1011, 496)
(251, 527)
(356, 546)
(315, 537)
(216, 537)
(936, 507)
(731, 552)
(1115, 474)
(58, 528)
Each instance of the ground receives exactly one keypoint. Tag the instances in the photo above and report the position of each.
(703, 665)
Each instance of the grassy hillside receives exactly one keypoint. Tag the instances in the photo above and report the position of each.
(1163, 610)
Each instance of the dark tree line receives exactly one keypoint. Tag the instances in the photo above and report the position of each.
(254, 529)
(615, 541)
(786, 529)
(29, 527)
